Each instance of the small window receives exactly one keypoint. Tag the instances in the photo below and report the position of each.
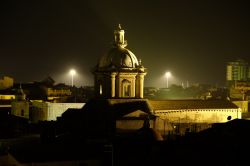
(100, 89)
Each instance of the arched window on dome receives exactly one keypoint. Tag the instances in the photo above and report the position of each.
(126, 88)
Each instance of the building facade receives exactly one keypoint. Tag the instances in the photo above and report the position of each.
(237, 71)
(47, 111)
(180, 116)
(37, 110)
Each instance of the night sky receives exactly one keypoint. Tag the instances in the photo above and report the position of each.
(192, 39)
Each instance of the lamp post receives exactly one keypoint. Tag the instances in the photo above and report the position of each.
(72, 73)
(167, 74)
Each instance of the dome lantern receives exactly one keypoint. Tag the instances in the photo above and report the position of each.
(118, 56)
(119, 37)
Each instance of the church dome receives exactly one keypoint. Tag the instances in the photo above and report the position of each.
(119, 56)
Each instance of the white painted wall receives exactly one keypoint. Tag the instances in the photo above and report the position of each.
(50, 111)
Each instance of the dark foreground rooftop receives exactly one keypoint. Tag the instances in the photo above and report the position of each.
(224, 144)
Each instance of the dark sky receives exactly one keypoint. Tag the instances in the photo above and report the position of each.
(192, 39)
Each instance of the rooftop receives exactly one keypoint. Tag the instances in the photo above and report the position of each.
(191, 104)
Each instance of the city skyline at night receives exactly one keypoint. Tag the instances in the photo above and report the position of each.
(194, 40)
(90, 82)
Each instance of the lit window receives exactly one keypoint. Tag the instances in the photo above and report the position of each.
(100, 89)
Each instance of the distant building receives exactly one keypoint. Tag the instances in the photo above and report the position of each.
(6, 82)
(45, 90)
(54, 92)
(150, 92)
(237, 71)
(238, 82)
(38, 101)
(58, 93)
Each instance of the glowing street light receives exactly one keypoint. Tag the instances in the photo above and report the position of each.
(72, 72)
(167, 74)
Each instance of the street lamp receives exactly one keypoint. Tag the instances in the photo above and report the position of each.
(72, 73)
(167, 74)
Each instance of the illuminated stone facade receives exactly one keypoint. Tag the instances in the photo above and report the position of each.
(37, 111)
(46, 111)
(194, 115)
(119, 74)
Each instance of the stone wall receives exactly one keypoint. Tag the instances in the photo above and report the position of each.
(181, 121)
